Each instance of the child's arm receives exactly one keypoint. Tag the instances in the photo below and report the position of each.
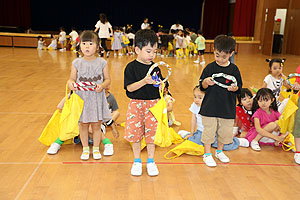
(106, 81)
(272, 126)
(193, 123)
(207, 82)
(72, 79)
(137, 85)
(170, 106)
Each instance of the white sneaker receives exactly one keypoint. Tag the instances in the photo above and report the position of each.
(96, 154)
(152, 169)
(243, 142)
(162, 56)
(209, 161)
(255, 146)
(136, 169)
(196, 61)
(297, 158)
(222, 157)
(202, 63)
(53, 149)
(108, 150)
(85, 155)
(107, 54)
(115, 54)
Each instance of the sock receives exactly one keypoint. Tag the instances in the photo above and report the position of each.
(58, 141)
(150, 160)
(110, 122)
(106, 141)
(139, 160)
(95, 148)
(219, 151)
(86, 149)
(208, 154)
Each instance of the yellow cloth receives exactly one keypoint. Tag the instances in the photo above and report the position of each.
(170, 46)
(179, 53)
(162, 136)
(63, 125)
(125, 39)
(287, 118)
(289, 143)
(70, 115)
(187, 147)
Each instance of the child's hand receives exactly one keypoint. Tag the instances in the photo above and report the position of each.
(296, 86)
(71, 85)
(99, 88)
(148, 79)
(115, 133)
(209, 81)
(232, 88)
(283, 76)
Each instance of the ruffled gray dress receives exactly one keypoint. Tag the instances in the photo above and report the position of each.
(95, 104)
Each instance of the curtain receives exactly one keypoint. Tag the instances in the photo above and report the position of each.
(244, 18)
(215, 18)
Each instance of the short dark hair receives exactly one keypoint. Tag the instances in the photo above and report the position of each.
(145, 37)
(244, 92)
(39, 37)
(224, 43)
(199, 32)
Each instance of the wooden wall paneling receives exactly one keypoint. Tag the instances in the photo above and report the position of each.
(5, 41)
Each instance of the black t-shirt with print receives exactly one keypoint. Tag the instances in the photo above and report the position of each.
(218, 101)
(136, 71)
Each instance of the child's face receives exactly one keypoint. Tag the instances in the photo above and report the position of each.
(276, 69)
(198, 97)
(265, 102)
(247, 102)
(222, 57)
(146, 54)
(88, 48)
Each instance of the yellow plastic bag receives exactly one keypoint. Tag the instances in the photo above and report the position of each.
(187, 147)
(175, 137)
(70, 115)
(52, 130)
(170, 46)
(289, 143)
(287, 118)
(179, 53)
(125, 39)
(162, 136)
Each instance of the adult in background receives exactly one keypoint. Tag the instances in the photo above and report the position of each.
(145, 25)
(103, 26)
(176, 26)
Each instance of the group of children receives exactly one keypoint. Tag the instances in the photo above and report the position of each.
(214, 111)
(61, 38)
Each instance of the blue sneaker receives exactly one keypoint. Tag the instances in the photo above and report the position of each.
(91, 141)
(76, 140)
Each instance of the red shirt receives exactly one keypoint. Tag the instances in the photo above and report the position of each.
(243, 119)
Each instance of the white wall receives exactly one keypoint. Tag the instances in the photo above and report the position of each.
(281, 13)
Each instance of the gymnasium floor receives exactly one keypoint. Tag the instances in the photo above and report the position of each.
(33, 82)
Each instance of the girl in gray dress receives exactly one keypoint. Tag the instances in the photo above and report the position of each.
(91, 68)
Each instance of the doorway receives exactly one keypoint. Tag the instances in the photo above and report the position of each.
(278, 30)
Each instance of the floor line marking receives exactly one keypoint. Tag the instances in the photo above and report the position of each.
(30, 178)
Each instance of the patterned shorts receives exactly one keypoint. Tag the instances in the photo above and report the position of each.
(140, 121)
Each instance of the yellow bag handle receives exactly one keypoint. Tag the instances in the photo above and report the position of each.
(169, 158)
(286, 147)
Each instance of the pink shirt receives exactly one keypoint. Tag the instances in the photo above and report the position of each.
(264, 118)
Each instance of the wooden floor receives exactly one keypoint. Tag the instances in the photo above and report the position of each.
(33, 82)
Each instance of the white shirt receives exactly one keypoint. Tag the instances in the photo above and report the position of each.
(73, 35)
(130, 35)
(195, 110)
(53, 44)
(274, 84)
(62, 36)
(179, 27)
(145, 25)
(103, 29)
